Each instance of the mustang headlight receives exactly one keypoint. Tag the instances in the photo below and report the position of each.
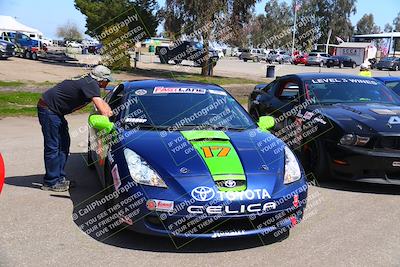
(292, 168)
(140, 170)
(353, 140)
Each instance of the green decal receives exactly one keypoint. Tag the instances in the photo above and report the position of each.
(219, 155)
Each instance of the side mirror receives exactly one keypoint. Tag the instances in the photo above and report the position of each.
(266, 123)
(101, 123)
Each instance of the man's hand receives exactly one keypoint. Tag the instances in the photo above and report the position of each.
(102, 106)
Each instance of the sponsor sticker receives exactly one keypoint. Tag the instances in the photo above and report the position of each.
(178, 90)
(217, 92)
(135, 120)
(116, 178)
(160, 205)
(341, 80)
(140, 92)
(217, 234)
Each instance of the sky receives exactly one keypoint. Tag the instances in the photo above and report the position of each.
(46, 15)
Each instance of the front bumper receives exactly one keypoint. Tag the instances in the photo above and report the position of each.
(179, 223)
(6, 53)
(365, 165)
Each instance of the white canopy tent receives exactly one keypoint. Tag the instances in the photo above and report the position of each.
(8, 23)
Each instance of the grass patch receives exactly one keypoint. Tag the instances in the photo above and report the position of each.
(23, 104)
(11, 84)
(18, 103)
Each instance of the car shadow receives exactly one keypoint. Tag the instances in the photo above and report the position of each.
(88, 190)
(65, 64)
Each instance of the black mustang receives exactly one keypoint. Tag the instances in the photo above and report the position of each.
(342, 126)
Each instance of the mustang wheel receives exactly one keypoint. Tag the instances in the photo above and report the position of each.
(316, 160)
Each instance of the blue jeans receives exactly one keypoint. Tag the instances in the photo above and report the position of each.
(56, 145)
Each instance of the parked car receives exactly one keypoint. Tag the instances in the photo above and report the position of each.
(74, 44)
(185, 50)
(219, 178)
(300, 60)
(7, 49)
(317, 58)
(343, 126)
(390, 63)
(255, 54)
(279, 56)
(341, 61)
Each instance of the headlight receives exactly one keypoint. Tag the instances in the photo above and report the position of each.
(353, 140)
(140, 170)
(292, 168)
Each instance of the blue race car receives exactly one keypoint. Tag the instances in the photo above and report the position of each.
(185, 160)
(391, 83)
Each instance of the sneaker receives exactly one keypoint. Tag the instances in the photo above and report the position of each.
(58, 187)
(70, 183)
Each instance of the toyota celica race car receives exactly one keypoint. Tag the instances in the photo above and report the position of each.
(185, 160)
(342, 126)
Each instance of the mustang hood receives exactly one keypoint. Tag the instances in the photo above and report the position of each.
(364, 118)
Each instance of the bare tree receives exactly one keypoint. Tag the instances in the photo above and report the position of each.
(69, 32)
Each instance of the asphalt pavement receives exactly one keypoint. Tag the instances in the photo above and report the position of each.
(345, 225)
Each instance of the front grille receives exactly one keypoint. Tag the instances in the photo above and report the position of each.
(389, 142)
(227, 184)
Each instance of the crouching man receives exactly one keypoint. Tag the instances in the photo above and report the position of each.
(65, 98)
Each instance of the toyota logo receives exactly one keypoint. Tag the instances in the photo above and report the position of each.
(230, 183)
(203, 193)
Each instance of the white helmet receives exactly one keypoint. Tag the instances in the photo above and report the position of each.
(364, 66)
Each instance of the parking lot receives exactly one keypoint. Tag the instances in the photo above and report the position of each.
(345, 224)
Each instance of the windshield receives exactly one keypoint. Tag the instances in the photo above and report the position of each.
(339, 90)
(388, 59)
(186, 108)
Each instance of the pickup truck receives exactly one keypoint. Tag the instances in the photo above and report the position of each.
(185, 50)
(6, 49)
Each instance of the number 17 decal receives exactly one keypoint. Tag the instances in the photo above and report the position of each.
(222, 151)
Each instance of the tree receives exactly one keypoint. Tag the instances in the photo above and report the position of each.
(366, 25)
(388, 27)
(69, 32)
(329, 15)
(119, 25)
(206, 21)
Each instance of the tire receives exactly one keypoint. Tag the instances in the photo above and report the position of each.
(34, 56)
(396, 68)
(341, 65)
(316, 160)
(295, 63)
(379, 68)
(328, 66)
(177, 62)
(353, 66)
(27, 55)
(245, 60)
(256, 59)
(321, 64)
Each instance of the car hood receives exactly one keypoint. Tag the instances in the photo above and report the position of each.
(178, 158)
(364, 118)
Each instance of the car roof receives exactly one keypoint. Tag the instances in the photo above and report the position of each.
(388, 79)
(151, 83)
(323, 75)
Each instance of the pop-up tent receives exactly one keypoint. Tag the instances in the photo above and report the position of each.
(8, 23)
